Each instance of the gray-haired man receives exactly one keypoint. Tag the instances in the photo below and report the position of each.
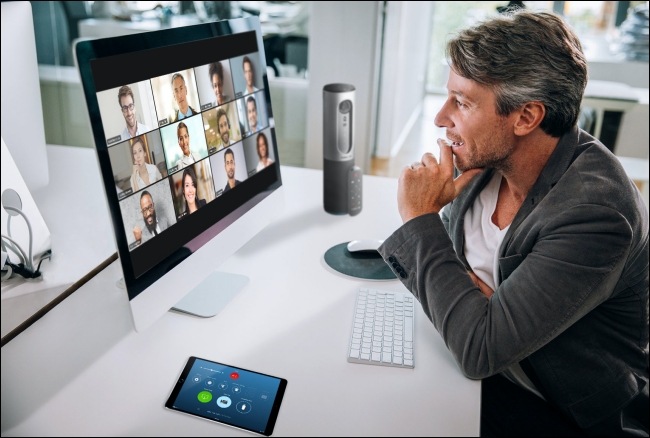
(536, 271)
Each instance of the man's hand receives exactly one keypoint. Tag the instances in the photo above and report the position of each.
(137, 233)
(426, 186)
(485, 289)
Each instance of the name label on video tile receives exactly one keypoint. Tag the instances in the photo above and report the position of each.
(219, 193)
(252, 172)
(125, 193)
(207, 106)
(212, 150)
(163, 122)
(134, 245)
(113, 140)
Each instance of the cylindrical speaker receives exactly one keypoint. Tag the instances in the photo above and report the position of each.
(338, 145)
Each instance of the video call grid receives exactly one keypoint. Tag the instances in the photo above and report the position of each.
(236, 97)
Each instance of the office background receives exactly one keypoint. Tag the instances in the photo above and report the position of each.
(393, 52)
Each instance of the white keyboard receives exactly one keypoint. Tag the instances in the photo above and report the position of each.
(382, 330)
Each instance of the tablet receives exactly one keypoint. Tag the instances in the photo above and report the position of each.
(229, 395)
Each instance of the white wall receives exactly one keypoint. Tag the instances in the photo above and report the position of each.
(403, 71)
(342, 48)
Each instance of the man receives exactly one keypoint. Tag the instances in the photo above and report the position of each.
(188, 156)
(153, 225)
(536, 275)
(216, 78)
(127, 105)
(229, 163)
(223, 124)
(249, 75)
(251, 112)
(180, 96)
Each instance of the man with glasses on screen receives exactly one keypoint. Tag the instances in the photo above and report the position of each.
(127, 104)
(180, 96)
(153, 225)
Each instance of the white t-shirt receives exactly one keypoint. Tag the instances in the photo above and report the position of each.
(139, 130)
(261, 165)
(483, 241)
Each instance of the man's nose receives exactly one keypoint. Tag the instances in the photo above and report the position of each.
(442, 119)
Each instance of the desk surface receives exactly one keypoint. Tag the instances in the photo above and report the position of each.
(82, 369)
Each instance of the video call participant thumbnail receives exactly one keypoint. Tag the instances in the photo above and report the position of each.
(137, 163)
(223, 129)
(126, 111)
(147, 213)
(214, 83)
(193, 188)
(144, 174)
(255, 113)
(184, 143)
(229, 168)
(259, 151)
(176, 96)
(247, 74)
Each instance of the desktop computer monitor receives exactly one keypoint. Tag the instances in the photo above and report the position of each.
(185, 141)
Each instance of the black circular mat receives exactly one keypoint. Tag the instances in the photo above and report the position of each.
(366, 265)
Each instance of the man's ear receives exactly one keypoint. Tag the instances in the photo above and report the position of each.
(528, 118)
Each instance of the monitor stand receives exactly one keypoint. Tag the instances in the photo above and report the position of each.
(211, 296)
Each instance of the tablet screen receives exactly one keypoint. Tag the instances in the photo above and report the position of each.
(229, 395)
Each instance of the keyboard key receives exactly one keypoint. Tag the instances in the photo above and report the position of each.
(376, 349)
(398, 338)
(408, 329)
(366, 339)
(386, 357)
(397, 360)
(388, 338)
(408, 350)
(398, 343)
(376, 357)
(366, 345)
(408, 313)
(408, 363)
(387, 349)
(358, 330)
(365, 350)
(397, 348)
(398, 353)
(365, 356)
(408, 356)
(354, 354)
(408, 344)
(376, 344)
(356, 336)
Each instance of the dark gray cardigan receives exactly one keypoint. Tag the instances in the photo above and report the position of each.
(572, 306)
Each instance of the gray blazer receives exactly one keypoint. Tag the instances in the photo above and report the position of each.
(572, 306)
(146, 234)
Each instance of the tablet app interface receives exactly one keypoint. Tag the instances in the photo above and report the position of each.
(231, 395)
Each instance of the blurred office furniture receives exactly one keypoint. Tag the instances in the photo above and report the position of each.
(609, 100)
(632, 43)
(22, 113)
(87, 372)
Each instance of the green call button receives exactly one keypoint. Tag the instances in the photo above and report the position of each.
(204, 396)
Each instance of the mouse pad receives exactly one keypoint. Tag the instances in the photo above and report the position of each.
(369, 266)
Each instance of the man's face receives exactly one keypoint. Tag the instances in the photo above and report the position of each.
(184, 141)
(252, 115)
(180, 94)
(248, 74)
(230, 165)
(223, 130)
(479, 136)
(148, 210)
(217, 87)
(128, 110)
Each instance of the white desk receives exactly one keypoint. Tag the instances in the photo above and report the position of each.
(74, 208)
(83, 370)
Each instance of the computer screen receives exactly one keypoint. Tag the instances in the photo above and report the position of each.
(184, 135)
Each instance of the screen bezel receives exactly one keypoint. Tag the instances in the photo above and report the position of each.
(266, 182)
(273, 416)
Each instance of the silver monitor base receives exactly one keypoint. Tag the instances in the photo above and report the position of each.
(211, 296)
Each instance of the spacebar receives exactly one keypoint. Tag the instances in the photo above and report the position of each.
(408, 329)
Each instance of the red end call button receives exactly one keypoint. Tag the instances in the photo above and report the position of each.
(234, 376)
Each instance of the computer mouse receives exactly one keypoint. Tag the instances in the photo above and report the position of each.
(366, 245)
